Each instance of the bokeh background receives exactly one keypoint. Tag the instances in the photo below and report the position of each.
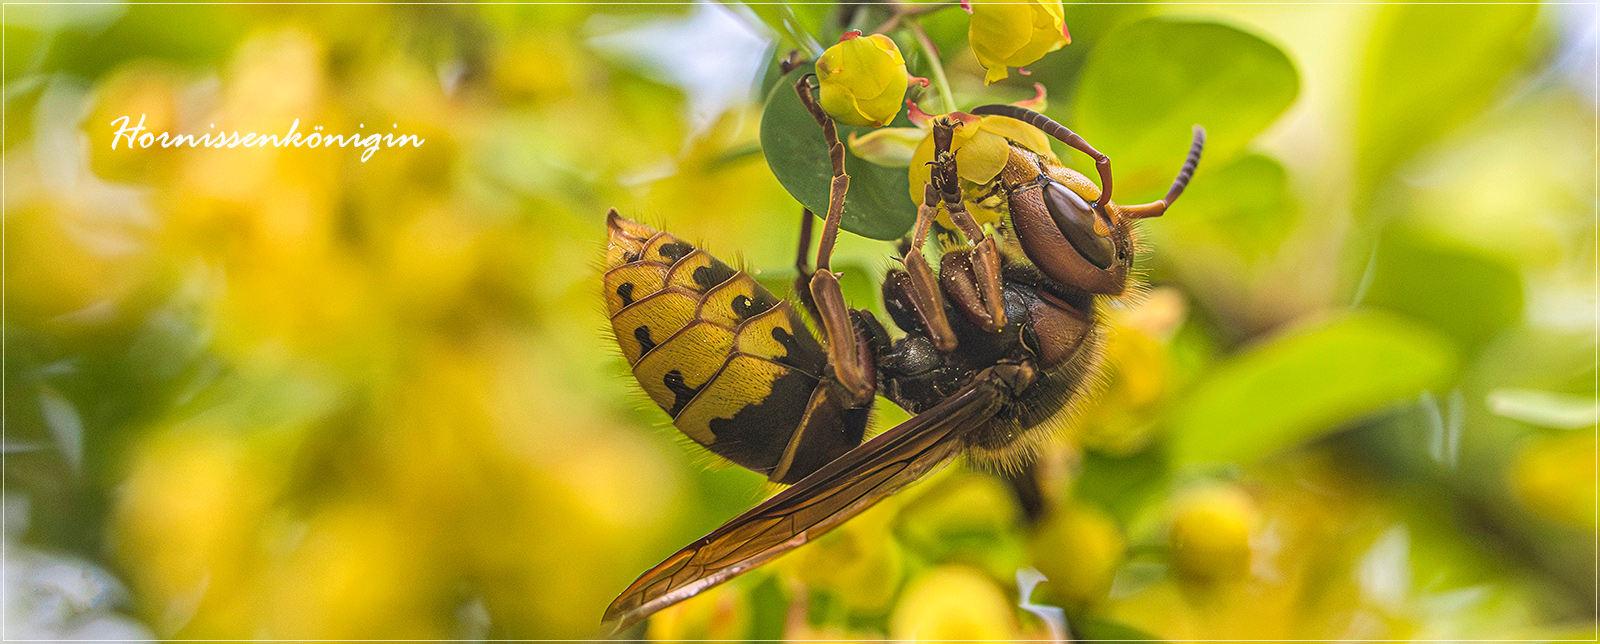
(281, 393)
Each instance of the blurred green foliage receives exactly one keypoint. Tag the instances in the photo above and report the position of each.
(1423, 77)
(1319, 378)
(1244, 213)
(282, 393)
(1149, 82)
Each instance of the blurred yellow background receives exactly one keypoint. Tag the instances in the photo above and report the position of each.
(284, 393)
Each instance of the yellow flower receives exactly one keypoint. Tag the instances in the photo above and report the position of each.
(953, 602)
(1210, 535)
(1079, 549)
(717, 614)
(982, 146)
(1007, 34)
(857, 563)
(1139, 368)
(863, 80)
(1554, 477)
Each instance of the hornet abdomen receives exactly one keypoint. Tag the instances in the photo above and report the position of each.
(734, 366)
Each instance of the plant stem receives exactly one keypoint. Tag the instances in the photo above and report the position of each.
(902, 10)
(945, 95)
(801, 39)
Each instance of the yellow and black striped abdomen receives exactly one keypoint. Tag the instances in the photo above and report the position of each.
(734, 366)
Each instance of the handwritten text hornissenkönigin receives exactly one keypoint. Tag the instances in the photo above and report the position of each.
(136, 136)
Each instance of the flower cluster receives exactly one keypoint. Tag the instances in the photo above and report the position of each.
(864, 82)
(864, 78)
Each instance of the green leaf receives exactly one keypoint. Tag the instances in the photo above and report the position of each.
(153, 31)
(769, 606)
(1243, 206)
(1149, 82)
(1122, 486)
(1428, 69)
(968, 517)
(946, 28)
(24, 49)
(1306, 383)
(1059, 70)
(1101, 629)
(801, 25)
(879, 204)
(1459, 291)
(22, 96)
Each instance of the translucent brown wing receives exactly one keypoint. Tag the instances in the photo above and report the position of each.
(839, 490)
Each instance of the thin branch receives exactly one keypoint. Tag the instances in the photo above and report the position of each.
(902, 10)
(939, 77)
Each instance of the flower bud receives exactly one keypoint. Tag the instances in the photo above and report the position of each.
(1210, 535)
(718, 614)
(1141, 375)
(1079, 549)
(953, 602)
(863, 80)
(1554, 477)
(859, 563)
(1008, 34)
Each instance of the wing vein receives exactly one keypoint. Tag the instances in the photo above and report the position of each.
(839, 490)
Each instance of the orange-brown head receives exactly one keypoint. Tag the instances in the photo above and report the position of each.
(1063, 230)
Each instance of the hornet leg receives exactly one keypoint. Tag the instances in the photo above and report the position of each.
(916, 290)
(986, 308)
(849, 348)
(802, 265)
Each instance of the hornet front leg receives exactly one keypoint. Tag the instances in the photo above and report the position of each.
(915, 290)
(971, 277)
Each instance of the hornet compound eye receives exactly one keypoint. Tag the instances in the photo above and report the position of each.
(1076, 219)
